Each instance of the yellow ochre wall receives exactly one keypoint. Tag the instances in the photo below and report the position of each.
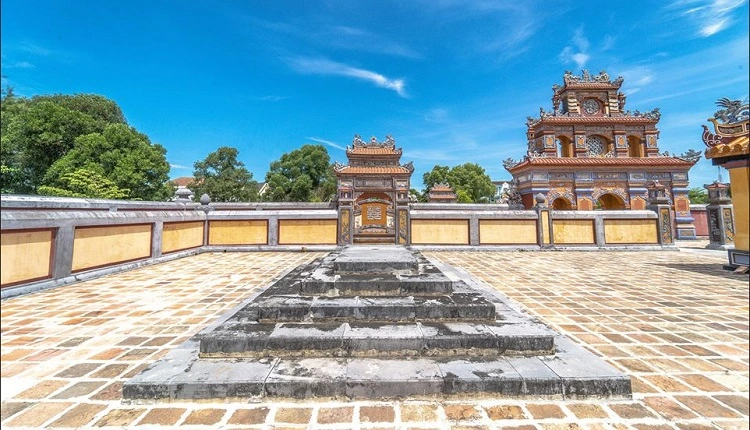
(246, 232)
(26, 255)
(507, 231)
(739, 178)
(181, 235)
(440, 231)
(630, 231)
(100, 246)
(307, 232)
(545, 227)
(573, 231)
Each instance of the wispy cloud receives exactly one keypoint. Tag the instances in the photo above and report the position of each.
(322, 66)
(19, 65)
(578, 51)
(272, 98)
(178, 166)
(709, 17)
(327, 142)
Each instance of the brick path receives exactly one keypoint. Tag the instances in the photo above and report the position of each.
(675, 321)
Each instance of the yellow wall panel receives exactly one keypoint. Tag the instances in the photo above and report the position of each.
(26, 255)
(574, 231)
(545, 227)
(739, 178)
(101, 246)
(440, 231)
(507, 231)
(181, 235)
(630, 231)
(307, 232)
(246, 232)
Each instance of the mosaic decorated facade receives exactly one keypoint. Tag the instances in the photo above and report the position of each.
(373, 193)
(727, 146)
(588, 153)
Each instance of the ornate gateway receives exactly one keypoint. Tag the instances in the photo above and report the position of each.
(373, 193)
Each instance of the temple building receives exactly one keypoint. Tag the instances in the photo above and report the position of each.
(373, 193)
(590, 153)
(727, 146)
(442, 193)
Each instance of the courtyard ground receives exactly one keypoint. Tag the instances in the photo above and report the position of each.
(675, 321)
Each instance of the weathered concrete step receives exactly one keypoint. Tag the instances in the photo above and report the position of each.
(565, 376)
(374, 340)
(289, 308)
(378, 284)
(379, 259)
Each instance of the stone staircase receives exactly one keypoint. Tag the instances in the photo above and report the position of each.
(374, 322)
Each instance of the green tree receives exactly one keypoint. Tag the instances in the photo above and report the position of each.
(303, 175)
(85, 183)
(37, 132)
(122, 155)
(470, 182)
(224, 178)
(698, 195)
(438, 175)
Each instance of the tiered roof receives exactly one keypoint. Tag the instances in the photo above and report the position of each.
(373, 158)
(731, 130)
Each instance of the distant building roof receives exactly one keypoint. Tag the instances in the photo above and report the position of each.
(182, 181)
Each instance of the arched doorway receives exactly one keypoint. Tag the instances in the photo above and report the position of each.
(610, 202)
(561, 204)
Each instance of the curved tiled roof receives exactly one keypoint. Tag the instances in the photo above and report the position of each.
(593, 162)
(738, 146)
(373, 170)
(373, 150)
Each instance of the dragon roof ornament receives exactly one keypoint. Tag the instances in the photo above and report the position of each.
(586, 77)
(358, 142)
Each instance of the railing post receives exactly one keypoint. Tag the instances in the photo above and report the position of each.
(544, 222)
(720, 216)
(659, 203)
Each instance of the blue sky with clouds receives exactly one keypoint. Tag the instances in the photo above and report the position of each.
(452, 81)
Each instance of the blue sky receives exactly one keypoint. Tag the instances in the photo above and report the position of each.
(451, 81)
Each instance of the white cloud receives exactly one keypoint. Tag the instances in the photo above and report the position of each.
(271, 98)
(578, 51)
(709, 17)
(322, 66)
(327, 142)
(19, 65)
(178, 166)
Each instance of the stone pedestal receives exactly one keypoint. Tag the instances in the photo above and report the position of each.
(720, 217)
(659, 203)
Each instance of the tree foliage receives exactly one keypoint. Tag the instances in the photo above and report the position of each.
(120, 154)
(303, 175)
(698, 195)
(85, 183)
(59, 142)
(470, 182)
(224, 178)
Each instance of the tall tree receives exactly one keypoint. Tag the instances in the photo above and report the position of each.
(303, 175)
(37, 132)
(224, 178)
(120, 154)
(85, 183)
(698, 195)
(470, 182)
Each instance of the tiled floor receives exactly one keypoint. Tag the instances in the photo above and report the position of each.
(675, 321)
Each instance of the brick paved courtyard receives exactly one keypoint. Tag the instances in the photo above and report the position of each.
(677, 323)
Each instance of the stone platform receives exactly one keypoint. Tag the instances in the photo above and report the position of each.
(376, 322)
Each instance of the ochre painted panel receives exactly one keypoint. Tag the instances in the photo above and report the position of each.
(545, 227)
(26, 255)
(246, 232)
(440, 231)
(630, 231)
(181, 235)
(307, 232)
(101, 246)
(739, 180)
(507, 231)
(573, 231)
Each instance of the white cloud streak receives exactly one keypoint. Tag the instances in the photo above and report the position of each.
(327, 142)
(710, 17)
(322, 66)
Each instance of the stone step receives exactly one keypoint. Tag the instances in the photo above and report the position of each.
(378, 285)
(238, 339)
(468, 307)
(374, 239)
(376, 259)
(565, 376)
